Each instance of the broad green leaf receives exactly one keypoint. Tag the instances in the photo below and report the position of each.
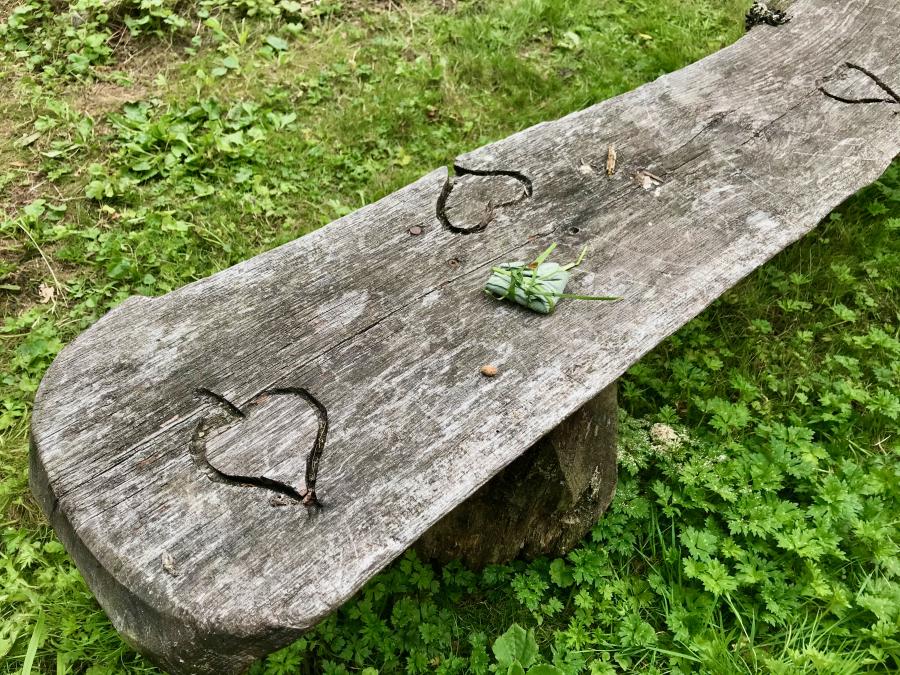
(37, 639)
(515, 668)
(560, 573)
(515, 645)
(544, 669)
(277, 43)
(34, 209)
(25, 141)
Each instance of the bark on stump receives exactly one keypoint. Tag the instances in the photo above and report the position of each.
(541, 504)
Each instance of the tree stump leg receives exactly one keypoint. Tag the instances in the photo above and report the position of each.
(541, 504)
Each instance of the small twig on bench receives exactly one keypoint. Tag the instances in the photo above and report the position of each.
(610, 160)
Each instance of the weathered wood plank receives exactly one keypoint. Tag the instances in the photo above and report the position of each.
(369, 334)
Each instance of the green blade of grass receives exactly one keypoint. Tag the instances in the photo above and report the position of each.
(37, 637)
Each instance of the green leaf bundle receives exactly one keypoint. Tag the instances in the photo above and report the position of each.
(538, 285)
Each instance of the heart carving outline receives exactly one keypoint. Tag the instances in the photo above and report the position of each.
(229, 412)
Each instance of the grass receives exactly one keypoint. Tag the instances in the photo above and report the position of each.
(755, 527)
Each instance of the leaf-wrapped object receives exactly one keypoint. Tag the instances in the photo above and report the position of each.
(539, 285)
(538, 289)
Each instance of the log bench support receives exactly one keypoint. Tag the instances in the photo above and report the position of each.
(229, 463)
(541, 504)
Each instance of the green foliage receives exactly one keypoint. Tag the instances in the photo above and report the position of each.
(186, 147)
(71, 43)
(74, 41)
(755, 525)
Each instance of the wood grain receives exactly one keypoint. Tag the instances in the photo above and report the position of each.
(387, 331)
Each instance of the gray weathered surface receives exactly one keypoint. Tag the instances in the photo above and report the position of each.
(541, 504)
(387, 331)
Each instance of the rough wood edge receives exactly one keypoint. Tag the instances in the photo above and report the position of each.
(154, 634)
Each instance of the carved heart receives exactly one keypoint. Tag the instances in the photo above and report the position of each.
(259, 444)
(471, 199)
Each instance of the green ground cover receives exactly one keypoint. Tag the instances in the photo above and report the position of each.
(148, 143)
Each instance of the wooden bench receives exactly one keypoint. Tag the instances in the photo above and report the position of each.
(229, 463)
